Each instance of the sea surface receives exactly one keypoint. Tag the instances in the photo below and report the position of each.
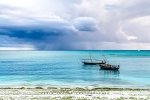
(64, 68)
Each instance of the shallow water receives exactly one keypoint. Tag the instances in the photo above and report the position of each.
(64, 68)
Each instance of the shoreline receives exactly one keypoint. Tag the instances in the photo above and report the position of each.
(106, 93)
(72, 87)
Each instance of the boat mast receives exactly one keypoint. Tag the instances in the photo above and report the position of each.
(94, 57)
(104, 56)
(90, 56)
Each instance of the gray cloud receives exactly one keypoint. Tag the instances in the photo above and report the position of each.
(85, 24)
(76, 24)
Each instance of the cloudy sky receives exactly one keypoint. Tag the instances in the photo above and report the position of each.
(74, 24)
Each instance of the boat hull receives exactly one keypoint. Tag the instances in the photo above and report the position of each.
(92, 63)
(110, 67)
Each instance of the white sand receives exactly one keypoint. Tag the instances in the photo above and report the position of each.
(74, 94)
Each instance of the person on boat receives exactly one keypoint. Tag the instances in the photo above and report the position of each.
(108, 65)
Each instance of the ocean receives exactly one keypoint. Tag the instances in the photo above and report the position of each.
(64, 68)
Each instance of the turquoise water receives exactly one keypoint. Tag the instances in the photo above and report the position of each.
(64, 68)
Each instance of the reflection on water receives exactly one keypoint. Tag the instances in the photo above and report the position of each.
(109, 72)
(88, 66)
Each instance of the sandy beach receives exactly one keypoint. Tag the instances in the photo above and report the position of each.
(53, 93)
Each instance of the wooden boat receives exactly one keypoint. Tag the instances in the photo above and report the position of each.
(109, 67)
(92, 61)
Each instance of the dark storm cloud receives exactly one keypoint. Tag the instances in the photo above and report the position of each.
(41, 36)
(33, 32)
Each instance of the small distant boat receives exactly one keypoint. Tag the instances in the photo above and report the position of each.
(109, 67)
(92, 61)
